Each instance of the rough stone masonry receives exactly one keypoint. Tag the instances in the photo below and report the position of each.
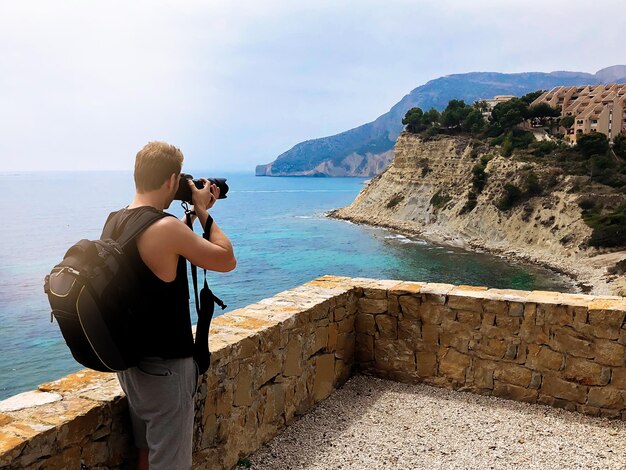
(273, 360)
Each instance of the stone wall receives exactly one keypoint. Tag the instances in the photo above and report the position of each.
(273, 360)
(555, 349)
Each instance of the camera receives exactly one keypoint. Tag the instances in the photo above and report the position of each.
(184, 191)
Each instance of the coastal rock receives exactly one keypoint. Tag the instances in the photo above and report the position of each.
(425, 191)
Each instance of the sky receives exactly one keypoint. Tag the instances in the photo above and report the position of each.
(84, 85)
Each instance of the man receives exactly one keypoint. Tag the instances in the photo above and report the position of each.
(160, 389)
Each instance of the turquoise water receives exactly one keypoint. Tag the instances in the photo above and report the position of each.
(277, 227)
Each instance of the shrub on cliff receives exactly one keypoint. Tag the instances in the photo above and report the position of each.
(439, 199)
(512, 195)
(417, 121)
(609, 230)
(594, 143)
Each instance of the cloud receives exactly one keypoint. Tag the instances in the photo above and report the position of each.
(85, 84)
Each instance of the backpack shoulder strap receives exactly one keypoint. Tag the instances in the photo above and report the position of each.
(124, 227)
(139, 223)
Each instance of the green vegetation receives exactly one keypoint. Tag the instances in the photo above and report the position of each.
(394, 201)
(592, 158)
(439, 199)
(609, 230)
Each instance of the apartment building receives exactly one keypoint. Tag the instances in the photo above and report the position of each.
(492, 102)
(595, 108)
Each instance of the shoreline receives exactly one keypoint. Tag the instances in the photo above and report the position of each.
(584, 280)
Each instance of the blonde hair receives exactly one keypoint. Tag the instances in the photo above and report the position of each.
(155, 163)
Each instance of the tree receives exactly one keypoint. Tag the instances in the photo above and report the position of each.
(594, 143)
(414, 120)
(619, 146)
(543, 110)
(567, 122)
(432, 117)
(473, 122)
(508, 114)
(532, 96)
(455, 113)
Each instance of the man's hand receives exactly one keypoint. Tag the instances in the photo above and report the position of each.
(203, 199)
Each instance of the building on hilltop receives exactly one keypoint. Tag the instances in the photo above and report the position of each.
(491, 103)
(595, 108)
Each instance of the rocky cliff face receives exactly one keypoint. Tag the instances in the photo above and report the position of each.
(425, 190)
(334, 155)
(353, 165)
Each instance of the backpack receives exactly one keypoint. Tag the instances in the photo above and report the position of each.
(89, 293)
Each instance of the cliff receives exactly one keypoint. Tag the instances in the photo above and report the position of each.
(425, 191)
(366, 149)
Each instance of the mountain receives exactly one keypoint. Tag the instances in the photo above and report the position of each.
(368, 149)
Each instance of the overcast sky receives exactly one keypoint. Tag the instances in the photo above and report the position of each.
(83, 85)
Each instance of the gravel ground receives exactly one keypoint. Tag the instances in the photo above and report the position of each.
(377, 424)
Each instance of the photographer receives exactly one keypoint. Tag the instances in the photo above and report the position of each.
(160, 389)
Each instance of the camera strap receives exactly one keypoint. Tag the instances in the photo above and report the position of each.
(205, 306)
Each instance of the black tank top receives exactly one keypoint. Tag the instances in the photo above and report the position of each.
(161, 308)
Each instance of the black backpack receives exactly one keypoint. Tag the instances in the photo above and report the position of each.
(90, 291)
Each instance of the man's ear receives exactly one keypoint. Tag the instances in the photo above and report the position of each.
(173, 181)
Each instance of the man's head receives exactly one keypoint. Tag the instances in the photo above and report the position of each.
(156, 165)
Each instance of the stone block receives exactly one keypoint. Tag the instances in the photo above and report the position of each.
(472, 319)
(393, 307)
(364, 347)
(242, 393)
(557, 388)
(318, 341)
(585, 372)
(365, 323)
(459, 339)
(347, 324)
(333, 331)
(453, 364)
(488, 320)
(516, 309)
(462, 302)
(514, 392)
(569, 341)
(394, 355)
(555, 314)
(497, 307)
(409, 329)
(609, 313)
(269, 366)
(618, 378)
(433, 313)
(372, 306)
(512, 324)
(339, 314)
(557, 402)
(407, 287)
(610, 353)
(387, 326)
(605, 397)
(94, 454)
(513, 374)
(426, 363)
(293, 357)
(580, 314)
(10, 447)
(483, 373)
(588, 410)
(430, 334)
(543, 358)
(324, 376)
(346, 347)
(410, 306)
(374, 293)
(491, 347)
(67, 458)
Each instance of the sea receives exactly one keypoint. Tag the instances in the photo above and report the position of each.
(277, 226)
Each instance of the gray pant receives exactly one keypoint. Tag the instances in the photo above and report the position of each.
(160, 400)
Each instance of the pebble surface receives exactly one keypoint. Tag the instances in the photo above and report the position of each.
(371, 423)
